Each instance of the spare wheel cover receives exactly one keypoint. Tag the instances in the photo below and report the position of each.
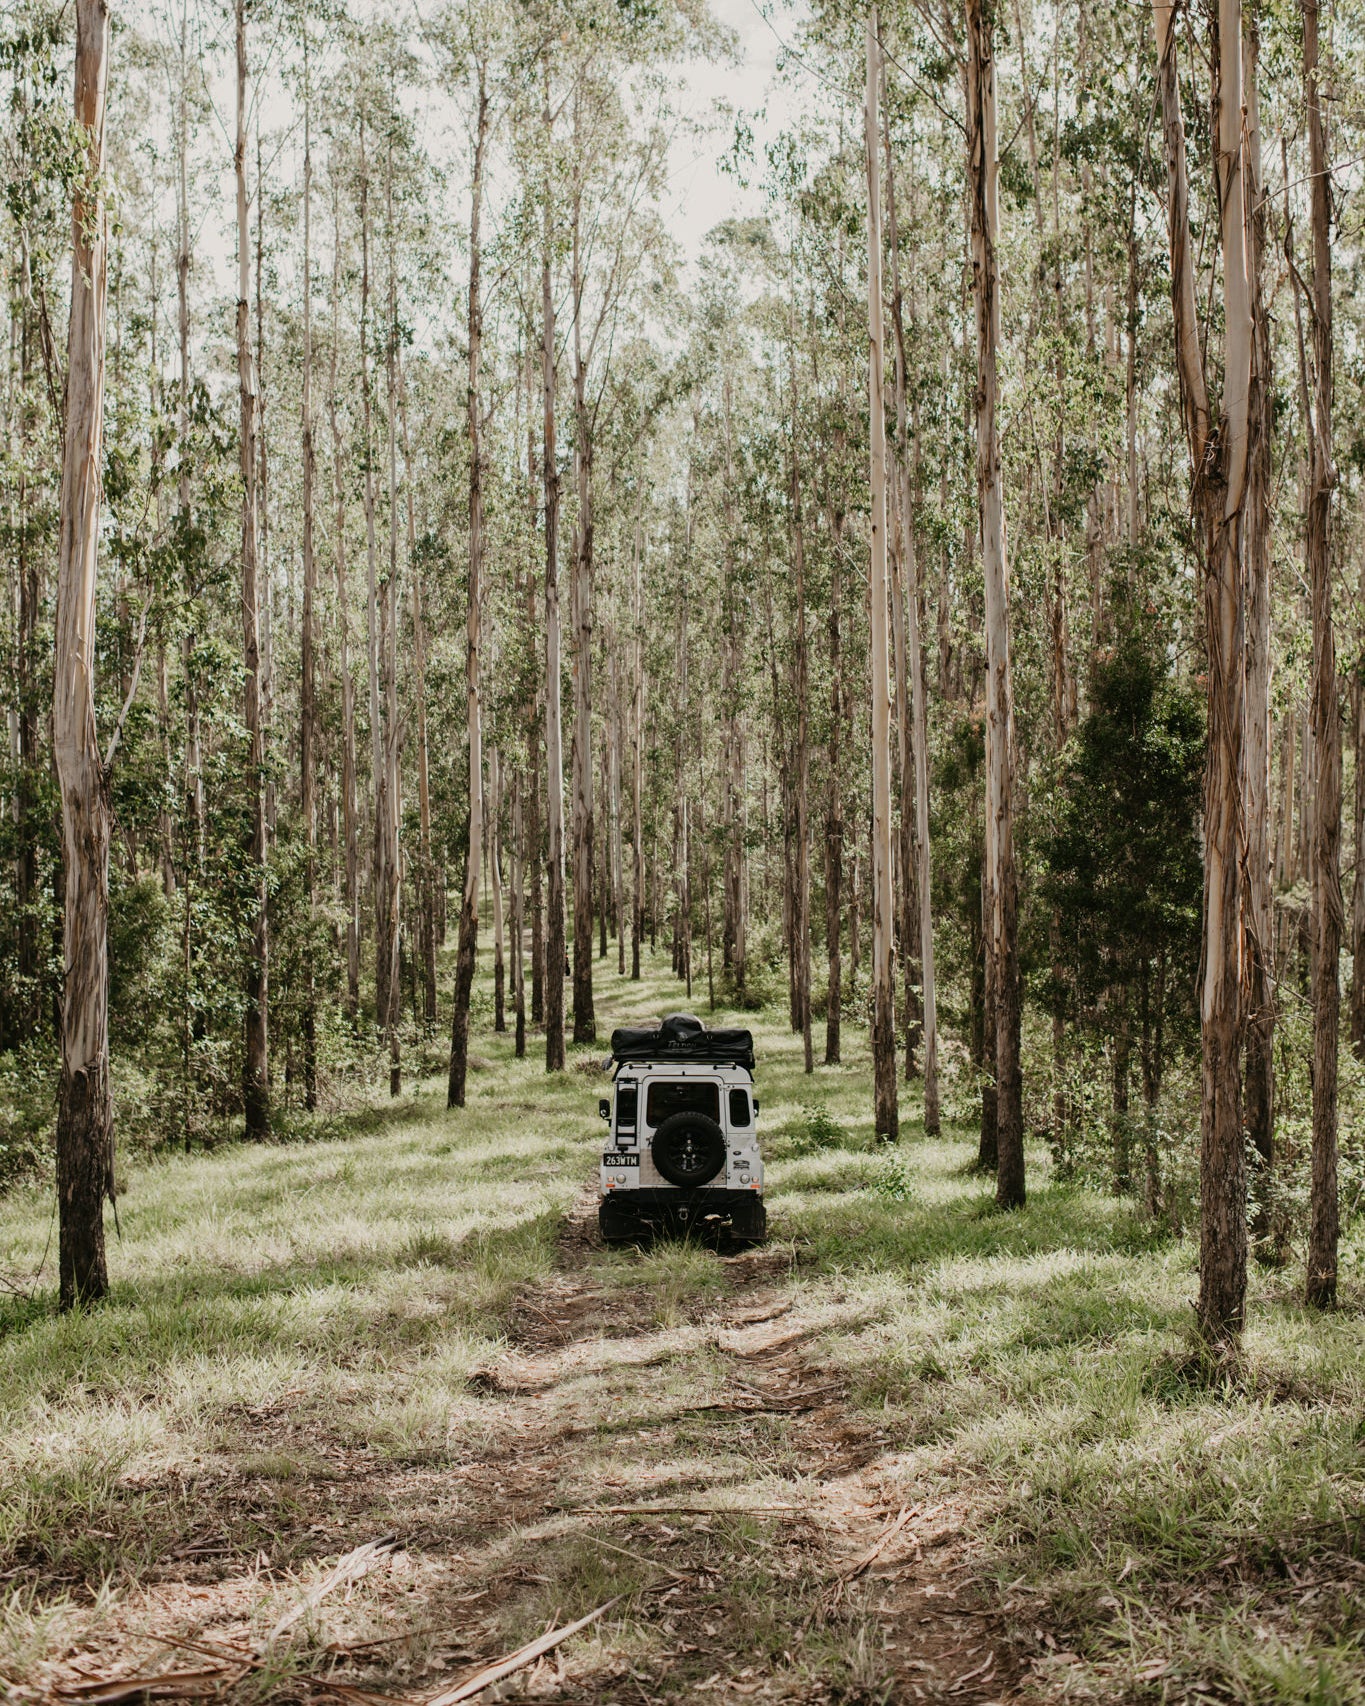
(689, 1149)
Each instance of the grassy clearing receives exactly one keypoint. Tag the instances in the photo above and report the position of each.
(1176, 1539)
(288, 1349)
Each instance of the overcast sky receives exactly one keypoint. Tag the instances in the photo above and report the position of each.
(699, 193)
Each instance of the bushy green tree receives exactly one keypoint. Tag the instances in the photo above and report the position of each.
(1122, 876)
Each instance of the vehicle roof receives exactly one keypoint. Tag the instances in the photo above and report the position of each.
(683, 1069)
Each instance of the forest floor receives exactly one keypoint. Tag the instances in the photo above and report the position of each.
(912, 1449)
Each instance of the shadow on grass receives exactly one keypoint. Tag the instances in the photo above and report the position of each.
(332, 1299)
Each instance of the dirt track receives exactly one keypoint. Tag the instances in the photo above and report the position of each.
(777, 1557)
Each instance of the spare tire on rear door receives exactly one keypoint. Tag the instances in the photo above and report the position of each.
(689, 1149)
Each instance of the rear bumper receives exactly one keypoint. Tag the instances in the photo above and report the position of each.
(661, 1206)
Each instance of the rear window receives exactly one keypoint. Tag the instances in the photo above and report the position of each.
(688, 1096)
(627, 1100)
(739, 1108)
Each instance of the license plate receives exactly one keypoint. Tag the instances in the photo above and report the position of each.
(620, 1158)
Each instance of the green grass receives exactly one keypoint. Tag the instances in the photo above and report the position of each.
(1175, 1536)
(1176, 1539)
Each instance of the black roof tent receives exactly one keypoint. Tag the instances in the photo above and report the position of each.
(683, 1038)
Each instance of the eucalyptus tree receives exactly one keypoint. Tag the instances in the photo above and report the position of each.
(85, 1152)
(469, 911)
(885, 1111)
(1002, 892)
(1218, 461)
(1325, 711)
(256, 1063)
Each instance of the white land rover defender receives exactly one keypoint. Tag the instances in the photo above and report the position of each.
(683, 1150)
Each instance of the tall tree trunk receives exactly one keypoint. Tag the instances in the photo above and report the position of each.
(554, 739)
(1002, 942)
(518, 918)
(1357, 1022)
(734, 930)
(907, 929)
(266, 584)
(1219, 476)
(1325, 870)
(682, 838)
(801, 874)
(534, 852)
(85, 1121)
(988, 1145)
(919, 842)
(1258, 905)
(637, 724)
(194, 770)
(307, 667)
(388, 631)
(384, 888)
(350, 831)
(256, 1073)
(604, 864)
(705, 841)
(581, 615)
(426, 880)
(617, 808)
(494, 834)
(1223, 1242)
(469, 910)
(885, 1110)
(834, 812)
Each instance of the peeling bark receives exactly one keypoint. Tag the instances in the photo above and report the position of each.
(85, 1119)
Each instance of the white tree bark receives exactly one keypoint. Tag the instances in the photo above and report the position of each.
(256, 1077)
(469, 911)
(1219, 482)
(886, 1113)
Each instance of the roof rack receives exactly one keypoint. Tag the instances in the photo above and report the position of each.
(683, 1038)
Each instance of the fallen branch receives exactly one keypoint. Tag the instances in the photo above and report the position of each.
(523, 1656)
(649, 1563)
(344, 1647)
(361, 1696)
(234, 1655)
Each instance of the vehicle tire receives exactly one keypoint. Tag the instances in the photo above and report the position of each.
(689, 1150)
(749, 1225)
(617, 1224)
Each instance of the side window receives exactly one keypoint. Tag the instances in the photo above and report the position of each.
(627, 1105)
(739, 1108)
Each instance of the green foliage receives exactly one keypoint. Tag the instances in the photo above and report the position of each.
(894, 1179)
(1121, 846)
(815, 1128)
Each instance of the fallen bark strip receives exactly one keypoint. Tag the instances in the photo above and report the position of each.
(523, 1656)
(883, 1541)
(162, 1685)
(234, 1665)
(677, 1510)
(346, 1570)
